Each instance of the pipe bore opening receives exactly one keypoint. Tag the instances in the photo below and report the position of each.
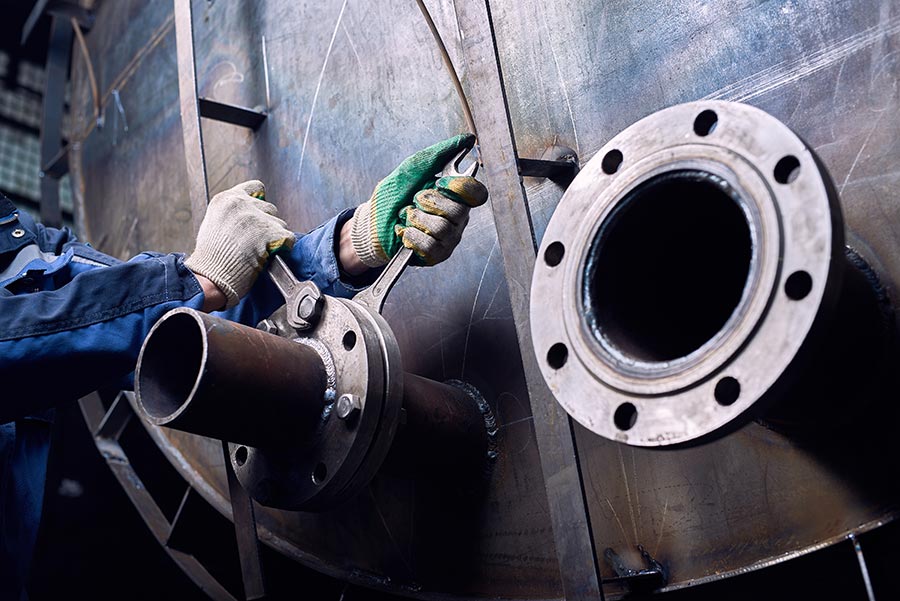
(170, 365)
(668, 267)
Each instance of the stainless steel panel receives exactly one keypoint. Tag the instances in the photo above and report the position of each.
(354, 88)
(576, 73)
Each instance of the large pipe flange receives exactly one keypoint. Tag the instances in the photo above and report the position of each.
(357, 423)
(686, 268)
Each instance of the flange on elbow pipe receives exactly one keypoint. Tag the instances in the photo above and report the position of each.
(687, 271)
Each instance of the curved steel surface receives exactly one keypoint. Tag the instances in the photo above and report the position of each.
(355, 87)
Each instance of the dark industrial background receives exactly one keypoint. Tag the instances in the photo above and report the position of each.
(94, 545)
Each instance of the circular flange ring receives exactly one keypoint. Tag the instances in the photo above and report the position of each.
(772, 210)
(336, 460)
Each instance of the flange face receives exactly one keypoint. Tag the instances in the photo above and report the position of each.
(336, 460)
(682, 272)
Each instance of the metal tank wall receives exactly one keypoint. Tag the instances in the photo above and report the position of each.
(354, 87)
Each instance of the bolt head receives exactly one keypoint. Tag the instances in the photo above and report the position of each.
(268, 326)
(307, 307)
(347, 406)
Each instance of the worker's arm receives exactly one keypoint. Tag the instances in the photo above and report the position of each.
(57, 345)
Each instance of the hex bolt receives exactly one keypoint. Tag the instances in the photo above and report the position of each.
(309, 308)
(268, 326)
(348, 406)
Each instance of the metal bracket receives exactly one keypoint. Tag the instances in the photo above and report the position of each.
(231, 113)
(57, 8)
(245, 530)
(652, 577)
(559, 164)
(552, 170)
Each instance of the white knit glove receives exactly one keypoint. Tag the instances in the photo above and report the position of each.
(238, 233)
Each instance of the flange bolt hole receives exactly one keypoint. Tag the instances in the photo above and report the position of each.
(612, 161)
(553, 256)
(727, 391)
(240, 456)
(557, 355)
(705, 123)
(798, 285)
(625, 416)
(320, 473)
(349, 340)
(787, 169)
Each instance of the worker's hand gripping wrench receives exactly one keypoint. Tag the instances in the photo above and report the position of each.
(304, 298)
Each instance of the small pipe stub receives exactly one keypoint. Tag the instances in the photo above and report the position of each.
(688, 265)
(217, 378)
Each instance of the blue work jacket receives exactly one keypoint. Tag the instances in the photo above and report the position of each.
(72, 320)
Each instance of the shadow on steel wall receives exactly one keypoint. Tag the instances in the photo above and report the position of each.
(94, 544)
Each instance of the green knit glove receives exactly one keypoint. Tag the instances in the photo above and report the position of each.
(400, 213)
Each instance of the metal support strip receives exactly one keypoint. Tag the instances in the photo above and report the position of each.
(101, 422)
(245, 529)
(116, 419)
(58, 55)
(195, 160)
(241, 503)
(554, 432)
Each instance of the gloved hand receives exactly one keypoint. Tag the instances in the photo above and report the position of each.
(238, 233)
(412, 208)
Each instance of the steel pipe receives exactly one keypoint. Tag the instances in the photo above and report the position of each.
(216, 378)
(267, 394)
(446, 428)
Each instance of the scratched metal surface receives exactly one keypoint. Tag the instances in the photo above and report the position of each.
(347, 103)
(578, 72)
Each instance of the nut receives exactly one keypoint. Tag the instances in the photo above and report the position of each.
(307, 308)
(347, 406)
(268, 326)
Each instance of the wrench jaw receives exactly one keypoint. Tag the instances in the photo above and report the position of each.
(452, 168)
(374, 296)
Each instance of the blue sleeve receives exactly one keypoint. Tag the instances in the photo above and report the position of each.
(58, 345)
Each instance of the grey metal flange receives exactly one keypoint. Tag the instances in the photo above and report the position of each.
(346, 448)
(363, 396)
(683, 272)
